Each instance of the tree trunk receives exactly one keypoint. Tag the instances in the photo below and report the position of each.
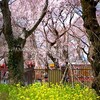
(15, 46)
(16, 66)
(93, 31)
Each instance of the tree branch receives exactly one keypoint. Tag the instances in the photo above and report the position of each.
(28, 33)
(84, 51)
(7, 27)
(1, 31)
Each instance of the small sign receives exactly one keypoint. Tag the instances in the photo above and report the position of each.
(51, 65)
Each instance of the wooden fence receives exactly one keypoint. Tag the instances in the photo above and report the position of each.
(54, 76)
(83, 75)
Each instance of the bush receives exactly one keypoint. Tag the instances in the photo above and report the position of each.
(45, 92)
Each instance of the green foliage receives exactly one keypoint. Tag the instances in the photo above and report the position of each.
(45, 92)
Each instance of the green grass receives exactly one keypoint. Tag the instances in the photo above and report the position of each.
(45, 92)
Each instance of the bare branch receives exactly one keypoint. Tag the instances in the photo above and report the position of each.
(11, 1)
(84, 51)
(51, 43)
(79, 39)
(1, 31)
(28, 33)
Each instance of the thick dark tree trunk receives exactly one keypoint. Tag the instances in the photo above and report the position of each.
(16, 66)
(93, 31)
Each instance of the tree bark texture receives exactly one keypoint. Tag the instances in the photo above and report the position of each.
(93, 30)
(16, 66)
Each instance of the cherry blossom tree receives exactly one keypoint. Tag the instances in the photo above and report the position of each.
(16, 45)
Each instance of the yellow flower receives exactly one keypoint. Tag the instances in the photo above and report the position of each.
(18, 85)
(22, 97)
(86, 89)
(27, 98)
(90, 99)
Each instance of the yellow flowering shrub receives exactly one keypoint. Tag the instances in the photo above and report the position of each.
(45, 92)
